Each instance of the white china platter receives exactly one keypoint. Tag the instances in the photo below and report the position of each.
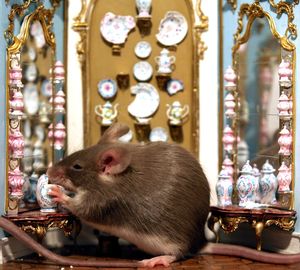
(142, 71)
(146, 100)
(143, 49)
(172, 28)
(31, 98)
(158, 134)
(107, 88)
(115, 28)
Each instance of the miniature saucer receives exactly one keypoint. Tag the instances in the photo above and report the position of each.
(172, 28)
(158, 134)
(107, 88)
(173, 86)
(142, 71)
(143, 49)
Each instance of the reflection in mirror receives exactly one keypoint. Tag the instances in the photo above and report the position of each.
(36, 60)
(258, 62)
(36, 105)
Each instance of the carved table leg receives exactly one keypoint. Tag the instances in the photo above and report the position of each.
(211, 225)
(259, 227)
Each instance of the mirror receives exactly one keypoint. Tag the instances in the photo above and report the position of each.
(258, 137)
(36, 103)
(257, 64)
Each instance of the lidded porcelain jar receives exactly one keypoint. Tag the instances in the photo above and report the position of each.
(230, 79)
(16, 144)
(224, 188)
(17, 104)
(285, 141)
(246, 185)
(59, 102)
(268, 184)
(228, 139)
(228, 166)
(285, 73)
(15, 183)
(59, 72)
(284, 106)
(229, 103)
(59, 136)
(143, 7)
(284, 178)
(256, 173)
(165, 61)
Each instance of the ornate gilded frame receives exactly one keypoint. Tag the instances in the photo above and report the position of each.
(253, 11)
(15, 43)
(81, 25)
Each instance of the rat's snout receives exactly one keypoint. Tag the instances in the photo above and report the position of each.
(55, 174)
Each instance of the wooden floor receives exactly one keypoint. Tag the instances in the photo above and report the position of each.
(200, 262)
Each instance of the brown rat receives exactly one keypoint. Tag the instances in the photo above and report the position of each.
(156, 196)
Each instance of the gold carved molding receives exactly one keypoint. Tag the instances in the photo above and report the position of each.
(254, 11)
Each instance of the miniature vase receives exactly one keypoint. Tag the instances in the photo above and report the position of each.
(285, 141)
(44, 200)
(268, 184)
(15, 183)
(230, 79)
(59, 72)
(224, 188)
(246, 185)
(31, 196)
(256, 173)
(165, 61)
(143, 7)
(229, 106)
(284, 106)
(59, 136)
(16, 144)
(284, 178)
(228, 166)
(17, 105)
(285, 73)
(228, 139)
(59, 102)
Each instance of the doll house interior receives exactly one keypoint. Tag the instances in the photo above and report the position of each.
(217, 78)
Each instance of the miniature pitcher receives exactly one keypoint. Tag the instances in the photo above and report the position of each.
(165, 61)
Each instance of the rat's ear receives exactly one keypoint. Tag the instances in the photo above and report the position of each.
(114, 160)
(114, 132)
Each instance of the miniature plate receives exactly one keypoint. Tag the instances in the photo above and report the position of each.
(46, 88)
(107, 88)
(173, 86)
(115, 28)
(146, 101)
(142, 71)
(158, 134)
(143, 49)
(31, 98)
(172, 28)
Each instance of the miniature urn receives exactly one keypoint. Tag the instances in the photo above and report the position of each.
(143, 7)
(59, 136)
(16, 144)
(176, 113)
(228, 139)
(256, 173)
(17, 105)
(107, 113)
(165, 62)
(246, 186)
(268, 184)
(285, 73)
(284, 178)
(230, 79)
(15, 77)
(285, 141)
(15, 183)
(59, 102)
(59, 72)
(229, 106)
(224, 188)
(50, 134)
(284, 106)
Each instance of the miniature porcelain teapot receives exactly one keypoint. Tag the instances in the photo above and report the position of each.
(165, 61)
(107, 112)
(176, 113)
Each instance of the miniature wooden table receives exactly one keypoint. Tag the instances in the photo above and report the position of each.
(38, 223)
(231, 217)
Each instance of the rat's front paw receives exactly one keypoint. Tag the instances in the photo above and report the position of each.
(57, 194)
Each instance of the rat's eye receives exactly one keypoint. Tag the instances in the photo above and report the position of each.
(77, 167)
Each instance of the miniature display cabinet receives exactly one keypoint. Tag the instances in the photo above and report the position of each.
(35, 118)
(146, 73)
(258, 122)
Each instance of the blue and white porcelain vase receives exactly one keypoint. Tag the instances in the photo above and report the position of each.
(256, 173)
(268, 184)
(44, 200)
(224, 188)
(246, 185)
